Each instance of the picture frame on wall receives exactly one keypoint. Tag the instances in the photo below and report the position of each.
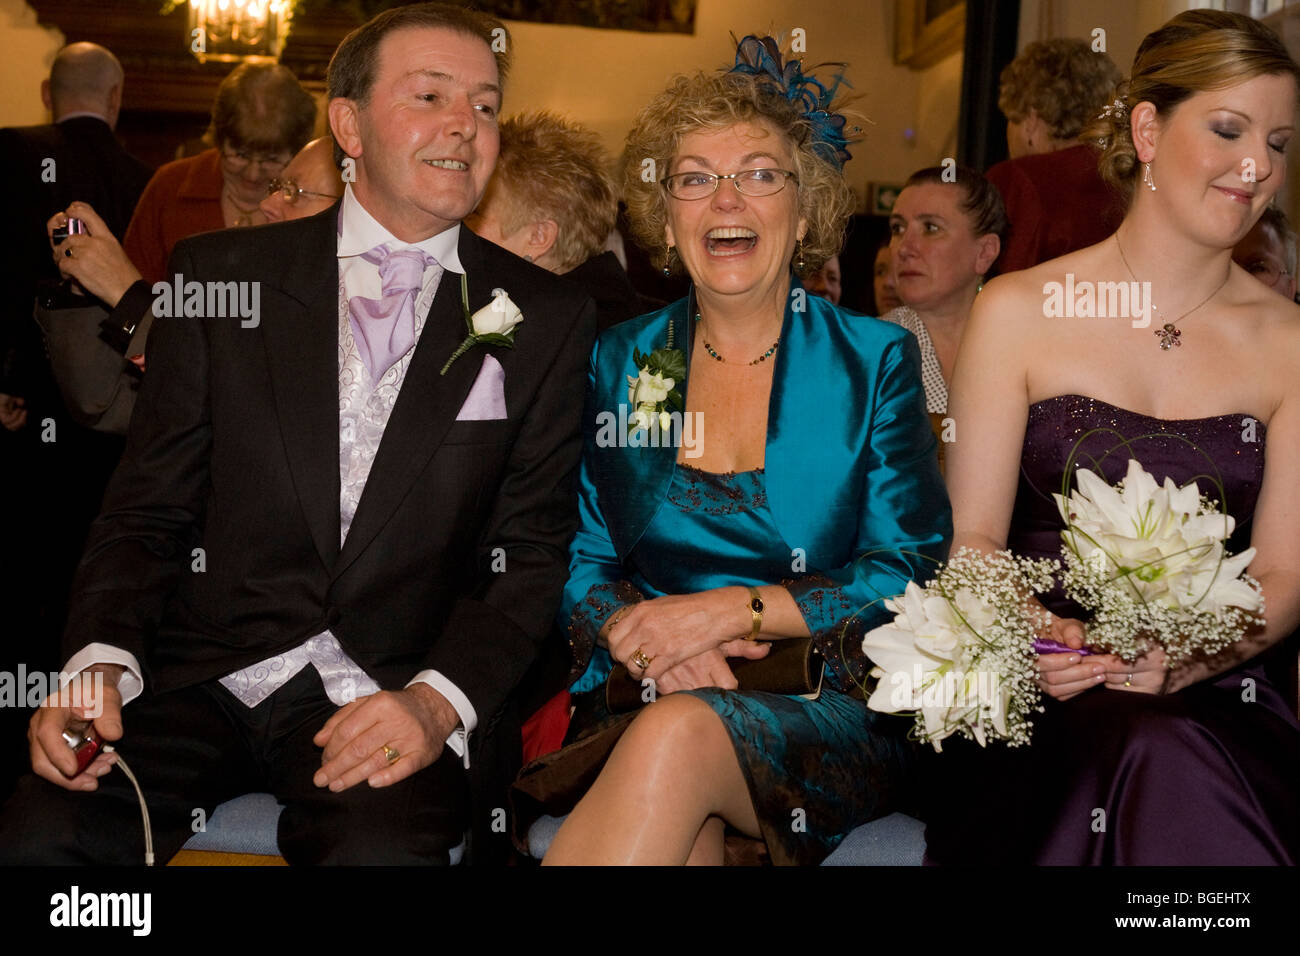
(927, 31)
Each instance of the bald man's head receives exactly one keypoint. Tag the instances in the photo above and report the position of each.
(85, 78)
(313, 172)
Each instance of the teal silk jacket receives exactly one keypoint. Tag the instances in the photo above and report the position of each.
(854, 499)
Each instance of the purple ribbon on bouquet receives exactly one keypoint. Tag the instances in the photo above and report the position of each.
(1043, 646)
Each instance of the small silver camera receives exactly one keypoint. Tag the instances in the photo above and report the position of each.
(73, 227)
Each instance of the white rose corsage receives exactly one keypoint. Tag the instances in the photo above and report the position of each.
(494, 324)
(652, 392)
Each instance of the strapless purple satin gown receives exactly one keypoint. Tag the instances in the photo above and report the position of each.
(1207, 776)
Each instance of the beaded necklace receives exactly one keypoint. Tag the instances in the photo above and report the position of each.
(762, 358)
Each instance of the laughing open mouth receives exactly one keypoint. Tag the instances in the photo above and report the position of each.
(730, 241)
(448, 164)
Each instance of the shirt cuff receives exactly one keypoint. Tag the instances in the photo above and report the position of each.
(130, 685)
(458, 739)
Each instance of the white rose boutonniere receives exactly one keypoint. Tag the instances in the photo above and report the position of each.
(494, 324)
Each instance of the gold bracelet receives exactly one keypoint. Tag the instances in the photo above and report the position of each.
(755, 609)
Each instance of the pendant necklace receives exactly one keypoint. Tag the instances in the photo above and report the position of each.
(712, 354)
(1170, 335)
(243, 217)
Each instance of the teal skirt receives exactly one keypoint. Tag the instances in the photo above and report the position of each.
(816, 769)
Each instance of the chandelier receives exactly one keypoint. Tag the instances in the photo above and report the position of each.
(234, 30)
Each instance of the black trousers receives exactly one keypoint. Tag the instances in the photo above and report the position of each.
(195, 748)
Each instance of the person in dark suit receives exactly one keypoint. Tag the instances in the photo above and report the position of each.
(342, 479)
(56, 470)
(77, 157)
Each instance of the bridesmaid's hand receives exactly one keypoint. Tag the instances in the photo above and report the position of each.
(1066, 675)
(710, 669)
(671, 629)
(1146, 675)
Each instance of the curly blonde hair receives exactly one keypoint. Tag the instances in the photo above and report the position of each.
(715, 101)
(1196, 51)
(554, 169)
(1062, 80)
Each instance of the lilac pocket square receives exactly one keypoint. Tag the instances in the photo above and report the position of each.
(487, 399)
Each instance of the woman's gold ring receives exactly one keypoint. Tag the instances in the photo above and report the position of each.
(391, 754)
(640, 660)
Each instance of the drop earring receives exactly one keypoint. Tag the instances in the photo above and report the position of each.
(668, 261)
(799, 263)
(1146, 177)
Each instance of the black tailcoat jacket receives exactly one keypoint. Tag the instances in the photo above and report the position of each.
(458, 550)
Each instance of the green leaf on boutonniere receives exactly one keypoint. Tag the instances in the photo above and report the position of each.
(464, 303)
(496, 338)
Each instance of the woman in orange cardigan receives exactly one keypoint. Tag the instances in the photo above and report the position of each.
(260, 118)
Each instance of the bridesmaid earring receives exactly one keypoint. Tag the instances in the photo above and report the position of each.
(1146, 177)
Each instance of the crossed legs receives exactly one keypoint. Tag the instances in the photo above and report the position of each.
(663, 797)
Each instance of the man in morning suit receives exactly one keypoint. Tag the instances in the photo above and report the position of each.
(55, 470)
(323, 565)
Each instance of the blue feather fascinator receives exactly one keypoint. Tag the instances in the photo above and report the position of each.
(761, 57)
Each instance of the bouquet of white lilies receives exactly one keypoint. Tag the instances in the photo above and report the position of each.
(1149, 562)
(959, 652)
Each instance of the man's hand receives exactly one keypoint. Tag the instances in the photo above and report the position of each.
(13, 411)
(52, 758)
(415, 722)
(97, 263)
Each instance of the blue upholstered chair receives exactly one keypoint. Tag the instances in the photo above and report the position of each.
(895, 840)
(248, 825)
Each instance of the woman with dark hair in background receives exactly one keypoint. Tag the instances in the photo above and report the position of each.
(261, 117)
(946, 227)
(884, 288)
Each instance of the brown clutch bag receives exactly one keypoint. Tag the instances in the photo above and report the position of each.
(791, 667)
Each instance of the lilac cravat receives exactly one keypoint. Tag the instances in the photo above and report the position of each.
(384, 328)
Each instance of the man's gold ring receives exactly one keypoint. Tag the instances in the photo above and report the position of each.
(640, 660)
(391, 754)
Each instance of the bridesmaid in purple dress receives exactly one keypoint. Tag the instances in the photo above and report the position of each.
(1136, 763)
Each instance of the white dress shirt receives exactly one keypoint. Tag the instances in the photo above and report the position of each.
(364, 409)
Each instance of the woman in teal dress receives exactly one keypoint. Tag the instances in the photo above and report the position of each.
(797, 487)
